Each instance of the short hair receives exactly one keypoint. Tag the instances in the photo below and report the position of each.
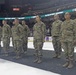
(24, 20)
(39, 16)
(5, 20)
(16, 19)
(56, 14)
(67, 13)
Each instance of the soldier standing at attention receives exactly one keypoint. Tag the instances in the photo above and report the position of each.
(39, 31)
(26, 34)
(11, 31)
(55, 31)
(17, 35)
(0, 35)
(6, 36)
(67, 39)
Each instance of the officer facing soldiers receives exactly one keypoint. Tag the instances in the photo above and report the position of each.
(6, 36)
(67, 39)
(55, 31)
(17, 34)
(26, 34)
(39, 31)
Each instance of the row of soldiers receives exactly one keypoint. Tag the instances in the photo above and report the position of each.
(64, 36)
(19, 34)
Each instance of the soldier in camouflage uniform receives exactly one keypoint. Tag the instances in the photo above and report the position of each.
(26, 34)
(67, 39)
(0, 35)
(17, 34)
(55, 31)
(11, 32)
(39, 37)
(6, 36)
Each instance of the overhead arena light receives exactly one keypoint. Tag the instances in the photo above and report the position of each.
(16, 9)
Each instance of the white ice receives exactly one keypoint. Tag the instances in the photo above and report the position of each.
(12, 68)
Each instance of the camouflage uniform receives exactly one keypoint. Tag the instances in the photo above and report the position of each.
(0, 35)
(67, 39)
(12, 35)
(55, 31)
(39, 36)
(25, 39)
(6, 37)
(17, 34)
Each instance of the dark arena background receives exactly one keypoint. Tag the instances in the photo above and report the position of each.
(27, 10)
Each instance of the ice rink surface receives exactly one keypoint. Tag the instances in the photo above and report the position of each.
(12, 68)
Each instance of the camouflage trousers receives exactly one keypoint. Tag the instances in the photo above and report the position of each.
(0, 40)
(68, 50)
(57, 45)
(18, 47)
(6, 43)
(25, 41)
(0, 44)
(38, 44)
